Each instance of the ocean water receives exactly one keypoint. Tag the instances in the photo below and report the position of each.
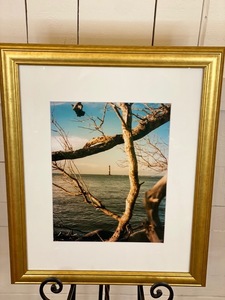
(71, 213)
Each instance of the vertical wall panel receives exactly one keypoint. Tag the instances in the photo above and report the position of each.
(220, 159)
(126, 22)
(216, 264)
(52, 21)
(178, 22)
(219, 181)
(223, 93)
(3, 215)
(12, 21)
(215, 28)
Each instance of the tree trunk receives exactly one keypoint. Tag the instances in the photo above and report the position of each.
(152, 201)
(133, 171)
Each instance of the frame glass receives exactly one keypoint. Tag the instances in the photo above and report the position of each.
(188, 78)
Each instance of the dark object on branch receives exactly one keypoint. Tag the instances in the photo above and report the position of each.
(78, 109)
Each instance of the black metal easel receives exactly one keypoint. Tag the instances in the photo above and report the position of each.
(104, 290)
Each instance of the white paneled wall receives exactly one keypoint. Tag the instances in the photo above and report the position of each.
(124, 22)
(178, 22)
(116, 22)
(52, 22)
(12, 21)
(215, 23)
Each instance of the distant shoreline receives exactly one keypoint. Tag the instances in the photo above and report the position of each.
(121, 175)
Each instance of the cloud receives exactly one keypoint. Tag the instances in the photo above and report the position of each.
(76, 142)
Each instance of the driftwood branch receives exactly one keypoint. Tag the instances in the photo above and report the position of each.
(153, 198)
(103, 143)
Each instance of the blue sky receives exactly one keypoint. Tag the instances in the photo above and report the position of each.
(78, 130)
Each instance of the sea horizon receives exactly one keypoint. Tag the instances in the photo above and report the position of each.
(70, 211)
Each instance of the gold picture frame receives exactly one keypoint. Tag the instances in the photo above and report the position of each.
(20, 59)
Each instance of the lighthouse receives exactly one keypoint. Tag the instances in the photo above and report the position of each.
(109, 170)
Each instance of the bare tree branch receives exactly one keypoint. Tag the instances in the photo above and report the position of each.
(101, 144)
(83, 191)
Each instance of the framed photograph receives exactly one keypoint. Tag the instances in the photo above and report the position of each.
(110, 157)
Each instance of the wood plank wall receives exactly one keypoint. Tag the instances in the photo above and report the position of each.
(121, 22)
